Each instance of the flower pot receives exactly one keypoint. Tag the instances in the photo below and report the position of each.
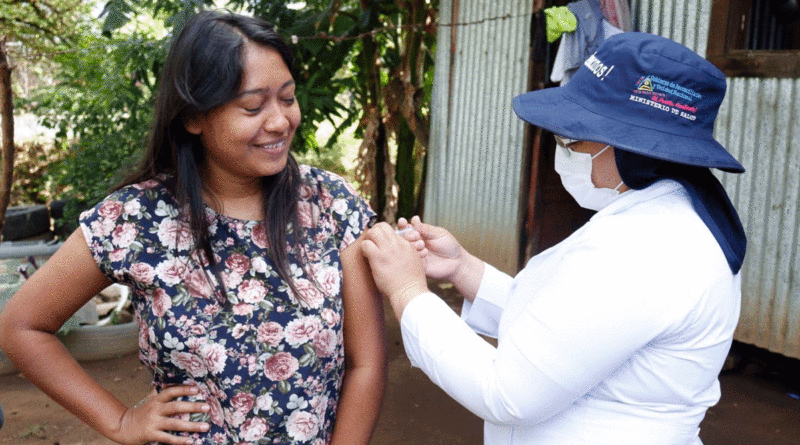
(91, 342)
(84, 342)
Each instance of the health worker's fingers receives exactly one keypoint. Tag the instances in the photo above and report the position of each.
(381, 233)
(427, 231)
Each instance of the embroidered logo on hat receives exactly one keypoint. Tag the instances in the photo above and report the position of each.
(645, 84)
(659, 92)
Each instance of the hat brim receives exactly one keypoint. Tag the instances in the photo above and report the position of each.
(553, 110)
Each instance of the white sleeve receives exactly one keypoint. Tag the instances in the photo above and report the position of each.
(497, 384)
(558, 345)
(483, 314)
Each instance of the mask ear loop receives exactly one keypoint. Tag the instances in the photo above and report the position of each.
(601, 152)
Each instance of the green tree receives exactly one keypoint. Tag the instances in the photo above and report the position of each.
(38, 25)
(101, 108)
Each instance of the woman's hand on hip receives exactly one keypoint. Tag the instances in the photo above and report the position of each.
(158, 416)
(396, 266)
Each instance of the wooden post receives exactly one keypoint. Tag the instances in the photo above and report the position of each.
(7, 113)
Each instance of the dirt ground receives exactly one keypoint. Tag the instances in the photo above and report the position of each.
(760, 404)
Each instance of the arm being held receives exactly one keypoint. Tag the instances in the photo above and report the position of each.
(365, 354)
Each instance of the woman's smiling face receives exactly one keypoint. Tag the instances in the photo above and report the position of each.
(250, 136)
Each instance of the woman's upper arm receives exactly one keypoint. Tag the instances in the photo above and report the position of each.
(64, 283)
(363, 309)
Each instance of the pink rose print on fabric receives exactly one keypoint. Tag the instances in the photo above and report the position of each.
(325, 198)
(215, 414)
(172, 271)
(307, 214)
(197, 284)
(117, 255)
(253, 429)
(235, 418)
(264, 402)
(239, 330)
(259, 265)
(243, 401)
(281, 366)
(189, 362)
(143, 272)
(244, 353)
(238, 263)
(124, 235)
(252, 291)
(231, 280)
(259, 236)
(161, 302)
(325, 343)
(132, 208)
(330, 317)
(270, 333)
(171, 231)
(214, 355)
(302, 425)
(302, 330)
(309, 295)
(329, 279)
(243, 309)
(340, 206)
(102, 228)
(110, 210)
(306, 192)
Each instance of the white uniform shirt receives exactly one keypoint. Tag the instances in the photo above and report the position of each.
(614, 336)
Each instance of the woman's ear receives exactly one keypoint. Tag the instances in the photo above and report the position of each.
(193, 124)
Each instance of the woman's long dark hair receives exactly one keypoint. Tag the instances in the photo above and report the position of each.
(204, 71)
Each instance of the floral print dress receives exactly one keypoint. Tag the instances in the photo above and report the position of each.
(269, 362)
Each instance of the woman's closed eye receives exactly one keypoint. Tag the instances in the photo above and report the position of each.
(252, 102)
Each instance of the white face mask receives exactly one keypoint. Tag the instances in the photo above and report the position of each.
(575, 169)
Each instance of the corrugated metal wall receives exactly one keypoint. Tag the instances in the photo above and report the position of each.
(759, 123)
(476, 158)
(475, 161)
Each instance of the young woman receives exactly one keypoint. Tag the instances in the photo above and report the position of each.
(257, 312)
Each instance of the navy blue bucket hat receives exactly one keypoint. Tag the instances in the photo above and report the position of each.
(655, 101)
(640, 93)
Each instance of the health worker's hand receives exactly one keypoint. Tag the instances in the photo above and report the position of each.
(443, 254)
(396, 266)
(158, 414)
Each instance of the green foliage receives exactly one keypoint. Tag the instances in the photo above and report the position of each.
(101, 108)
(32, 183)
(330, 159)
(43, 24)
